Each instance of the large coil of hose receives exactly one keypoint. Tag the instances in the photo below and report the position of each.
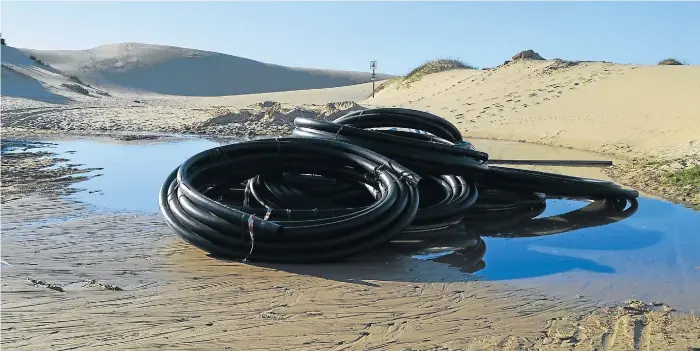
(341, 188)
(445, 196)
(444, 199)
(553, 184)
(442, 152)
(424, 154)
(278, 234)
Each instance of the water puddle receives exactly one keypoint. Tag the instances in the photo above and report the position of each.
(574, 247)
(130, 174)
(650, 255)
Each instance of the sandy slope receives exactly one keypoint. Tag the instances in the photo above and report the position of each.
(134, 68)
(356, 92)
(621, 109)
(26, 78)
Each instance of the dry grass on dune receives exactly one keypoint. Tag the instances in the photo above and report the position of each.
(670, 62)
(430, 67)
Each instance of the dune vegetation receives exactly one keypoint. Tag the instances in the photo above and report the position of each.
(429, 67)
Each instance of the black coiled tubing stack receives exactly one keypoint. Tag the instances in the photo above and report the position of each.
(337, 189)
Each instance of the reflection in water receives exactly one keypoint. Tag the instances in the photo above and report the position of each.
(524, 222)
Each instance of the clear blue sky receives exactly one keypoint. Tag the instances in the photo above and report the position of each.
(347, 35)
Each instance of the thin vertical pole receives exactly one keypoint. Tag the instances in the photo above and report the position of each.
(373, 66)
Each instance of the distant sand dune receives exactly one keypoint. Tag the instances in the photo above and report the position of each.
(156, 69)
(605, 107)
(356, 92)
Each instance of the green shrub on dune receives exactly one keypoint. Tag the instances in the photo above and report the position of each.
(430, 67)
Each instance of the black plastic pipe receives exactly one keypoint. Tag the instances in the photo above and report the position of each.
(341, 188)
(287, 235)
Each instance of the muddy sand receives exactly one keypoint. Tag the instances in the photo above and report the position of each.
(78, 278)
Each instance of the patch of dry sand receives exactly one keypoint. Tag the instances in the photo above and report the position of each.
(164, 116)
(625, 110)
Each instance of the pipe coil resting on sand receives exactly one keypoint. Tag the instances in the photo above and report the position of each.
(287, 235)
(337, 189)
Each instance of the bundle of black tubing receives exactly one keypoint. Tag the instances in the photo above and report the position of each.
(440, 152)
(337, 189)
(239, 230)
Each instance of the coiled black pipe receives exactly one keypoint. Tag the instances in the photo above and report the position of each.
(287, 235)
(434, 156)
(442, 152)
(444, 199)
(323, 195)
(424, 154)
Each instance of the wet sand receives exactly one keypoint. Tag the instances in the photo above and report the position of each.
(172, 296)
(88, 279)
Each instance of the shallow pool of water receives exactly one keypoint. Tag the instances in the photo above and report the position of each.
(653, 254)
(131, 173)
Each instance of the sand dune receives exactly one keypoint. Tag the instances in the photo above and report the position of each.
(621, 109)
(23, 77)
(133, 68)
(356, 92)
(625, 110)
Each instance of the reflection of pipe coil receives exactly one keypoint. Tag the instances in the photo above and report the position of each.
(596, 213)
(468, 257)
